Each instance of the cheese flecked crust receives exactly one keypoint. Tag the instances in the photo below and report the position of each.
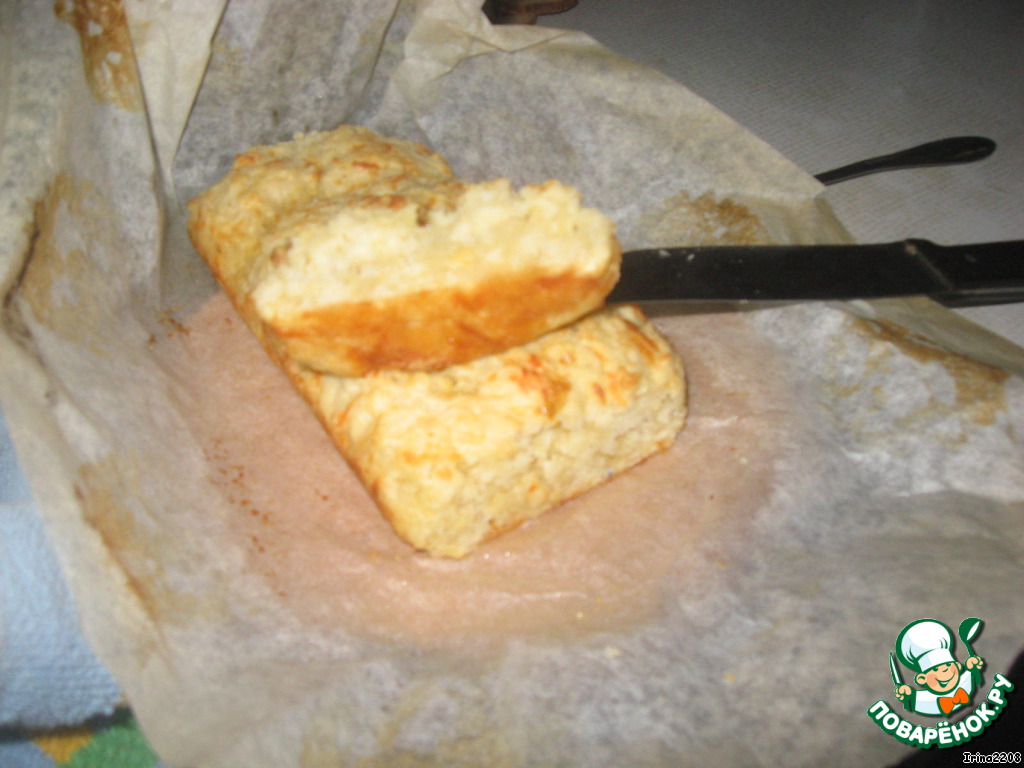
(349, 252)
(458, 456)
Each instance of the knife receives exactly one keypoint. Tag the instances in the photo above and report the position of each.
(955, 275)
(951, 151)
(895, 671)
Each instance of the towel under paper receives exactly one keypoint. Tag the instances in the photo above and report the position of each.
(49, 676)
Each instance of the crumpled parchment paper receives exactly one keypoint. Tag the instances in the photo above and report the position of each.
(731, 602)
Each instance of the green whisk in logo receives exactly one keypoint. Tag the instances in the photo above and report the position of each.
(942, 686)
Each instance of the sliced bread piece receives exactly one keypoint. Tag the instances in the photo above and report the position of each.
(349, 252)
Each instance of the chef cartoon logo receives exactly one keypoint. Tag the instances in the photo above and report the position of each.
(946, 685)
(943, 686)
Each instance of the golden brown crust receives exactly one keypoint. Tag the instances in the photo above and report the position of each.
(431, 330)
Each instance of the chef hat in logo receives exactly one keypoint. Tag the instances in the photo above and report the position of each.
(924, 644)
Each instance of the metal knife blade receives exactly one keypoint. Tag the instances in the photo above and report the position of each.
(895, 671)
(955, 275)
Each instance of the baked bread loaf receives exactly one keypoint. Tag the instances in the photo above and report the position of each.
(457, 456)
(349, 253)
(445, 333)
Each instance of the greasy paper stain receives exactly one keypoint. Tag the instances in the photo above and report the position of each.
(107, 53)
(704, 220)
(980, 391)
(104, 509)
(60, 284)
(112, 497)
(601, 562)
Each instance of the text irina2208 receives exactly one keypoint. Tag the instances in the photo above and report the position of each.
(992, 757)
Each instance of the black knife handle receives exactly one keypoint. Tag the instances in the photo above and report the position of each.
(955, 150)
(978, 274)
